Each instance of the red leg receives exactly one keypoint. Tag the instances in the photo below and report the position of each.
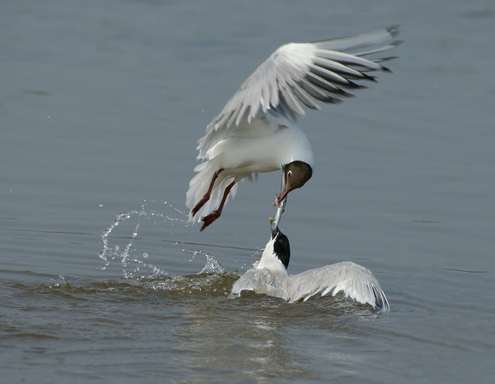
(206, 197)
(207, 220)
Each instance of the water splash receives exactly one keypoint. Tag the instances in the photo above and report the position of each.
(108, 253)
(136, 264)
(212, 264)
(58, 284)
(172, 286)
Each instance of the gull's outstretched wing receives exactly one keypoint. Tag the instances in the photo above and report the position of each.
(300, 73)
(348, 278)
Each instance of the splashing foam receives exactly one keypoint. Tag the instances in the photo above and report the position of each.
(132, 263)
(212, 264)
(108, 254)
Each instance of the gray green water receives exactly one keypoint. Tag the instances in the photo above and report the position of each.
(101, 104)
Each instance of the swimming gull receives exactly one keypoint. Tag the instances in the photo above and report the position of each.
(269, 276)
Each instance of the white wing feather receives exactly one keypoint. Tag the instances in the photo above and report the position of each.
(348, 278)
(300, 73)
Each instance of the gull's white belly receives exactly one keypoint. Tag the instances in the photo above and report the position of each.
(258, 154)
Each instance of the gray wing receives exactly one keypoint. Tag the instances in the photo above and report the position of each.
(351, 279)
(300, 73)
(258, 280)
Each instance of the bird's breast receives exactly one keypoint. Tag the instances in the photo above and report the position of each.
(263, 153)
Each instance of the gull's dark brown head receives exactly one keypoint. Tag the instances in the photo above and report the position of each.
(295, 176)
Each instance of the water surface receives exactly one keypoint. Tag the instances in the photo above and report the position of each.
(101, 105)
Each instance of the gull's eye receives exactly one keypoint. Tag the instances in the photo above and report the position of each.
(289, 174)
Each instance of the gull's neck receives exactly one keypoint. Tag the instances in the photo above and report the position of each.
(270, 260)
